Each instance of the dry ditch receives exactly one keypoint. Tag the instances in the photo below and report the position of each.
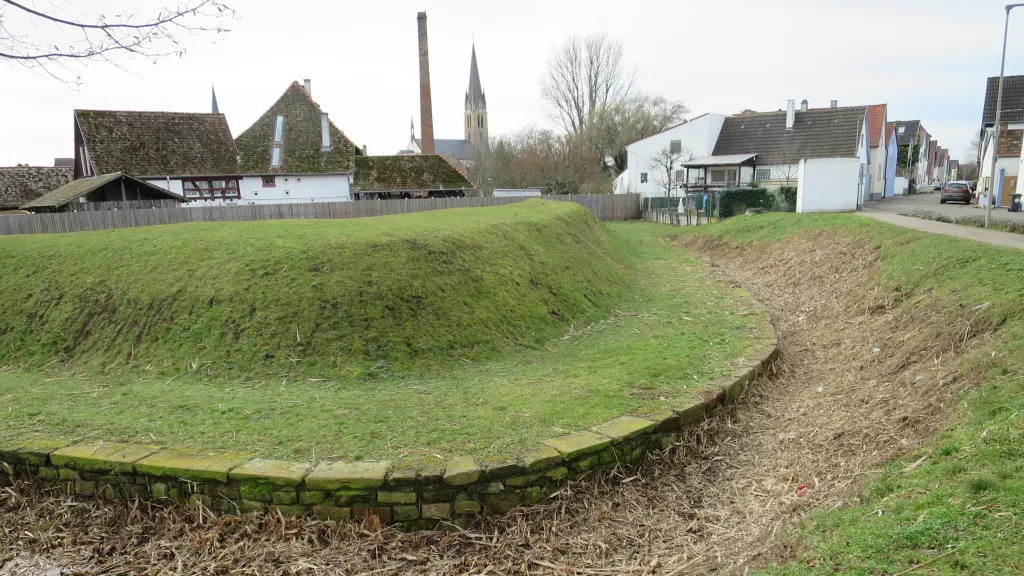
(866, 375)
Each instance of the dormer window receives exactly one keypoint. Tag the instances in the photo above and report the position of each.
(901, 130)
(275, 158)
(279, 130)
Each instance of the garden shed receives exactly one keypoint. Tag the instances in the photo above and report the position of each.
(107, 191)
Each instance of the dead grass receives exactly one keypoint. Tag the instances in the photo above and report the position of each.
(717, 502)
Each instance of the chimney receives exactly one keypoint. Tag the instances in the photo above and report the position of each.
(803, 105)
(325, 133)
(790, 114)
(834, 104)
(364, 150)
(308, 84)
(426, 114)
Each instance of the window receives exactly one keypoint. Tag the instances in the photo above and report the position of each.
(275, 158)
(210, 189)
(269, 181)
(679, 176)
(467, 122)
(279, 130)
(901, 129)
(643, 177)
(675, 147)
(718, 176)
(763, 174)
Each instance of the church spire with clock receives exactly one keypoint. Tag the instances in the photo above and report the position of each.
(476, 106)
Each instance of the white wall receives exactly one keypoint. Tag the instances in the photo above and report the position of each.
(901, 187)
(288, 189)
(877, 168)
(697, 137)
(828, 185)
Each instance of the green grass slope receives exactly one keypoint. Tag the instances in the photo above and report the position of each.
(309, 297)
(675, 329)
(954, 506)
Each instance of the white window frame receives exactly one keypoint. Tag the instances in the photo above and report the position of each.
(763, 174)
(279, 130)
(275, 157)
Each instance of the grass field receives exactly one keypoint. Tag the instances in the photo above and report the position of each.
(639, 323)
(952, 507)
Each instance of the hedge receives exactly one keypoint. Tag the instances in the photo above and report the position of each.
(735, 201)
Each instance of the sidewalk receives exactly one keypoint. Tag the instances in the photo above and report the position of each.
(977, 234)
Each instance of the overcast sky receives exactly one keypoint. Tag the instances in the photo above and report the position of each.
(927, 60)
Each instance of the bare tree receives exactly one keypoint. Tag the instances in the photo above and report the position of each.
(611, 128)
(585, 74)
(100, 37)
(973, 152)
(664, 164)
(788, 161)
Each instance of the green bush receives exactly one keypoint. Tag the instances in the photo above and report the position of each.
(788, 196)
(736, 201)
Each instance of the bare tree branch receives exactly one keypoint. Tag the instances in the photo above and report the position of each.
(585, 74)
(664, 165)
(100, 38)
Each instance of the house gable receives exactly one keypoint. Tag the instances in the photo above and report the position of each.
(301, 145)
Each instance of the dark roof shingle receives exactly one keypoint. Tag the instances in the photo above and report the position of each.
(407, 174)
(301, 150)
(83, 186)
(149, 144)
(817, 133)
(909, 132)
(21, 184)
(1013, 100)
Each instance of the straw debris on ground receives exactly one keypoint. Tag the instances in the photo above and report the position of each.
(866, 374)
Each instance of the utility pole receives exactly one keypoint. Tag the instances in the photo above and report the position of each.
(999, 110)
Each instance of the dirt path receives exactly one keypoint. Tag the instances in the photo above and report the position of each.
(865, 376)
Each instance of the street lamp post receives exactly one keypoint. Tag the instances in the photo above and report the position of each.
(999, 109)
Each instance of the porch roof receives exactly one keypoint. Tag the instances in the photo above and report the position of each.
(724, 160)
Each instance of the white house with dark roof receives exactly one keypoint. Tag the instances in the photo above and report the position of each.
(1011, 121)
(294, 153)
(691, 139)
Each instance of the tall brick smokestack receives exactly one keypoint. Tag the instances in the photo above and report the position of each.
(426, 112)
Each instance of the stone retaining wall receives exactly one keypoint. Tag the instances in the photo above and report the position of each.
(413, 495)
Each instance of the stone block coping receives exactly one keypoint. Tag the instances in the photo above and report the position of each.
(414, 493)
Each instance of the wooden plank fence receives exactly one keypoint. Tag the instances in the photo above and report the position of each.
(604, 206)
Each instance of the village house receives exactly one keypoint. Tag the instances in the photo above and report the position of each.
(821, 151)
(876, 183)
(294, 153)
(191, 155)
(690, 139)
(403, 177)
(1011, 130)
(20, 185)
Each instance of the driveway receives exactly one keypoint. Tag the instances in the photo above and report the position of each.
(930, 203)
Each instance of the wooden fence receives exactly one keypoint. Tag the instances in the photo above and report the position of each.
(604, 206)
(122, 205)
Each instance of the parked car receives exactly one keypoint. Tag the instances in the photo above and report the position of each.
(956, 192)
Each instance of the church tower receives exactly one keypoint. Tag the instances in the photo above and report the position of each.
(476, 107)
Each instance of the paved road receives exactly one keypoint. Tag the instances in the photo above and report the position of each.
(930, 203)
(1006, 239)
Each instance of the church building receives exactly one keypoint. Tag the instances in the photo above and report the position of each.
(476, 127)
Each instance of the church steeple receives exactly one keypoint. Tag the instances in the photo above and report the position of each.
(476, 105)
(213, 105)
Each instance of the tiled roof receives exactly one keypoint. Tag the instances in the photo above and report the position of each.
(407, 174)
(21, 184)
(911, 129)
(461, 149)
(876, 121)
(1009, 142)
(475, 95)
(1013, 100)
(301, 150)
(82, 186)
(146, 144)
(817, 133)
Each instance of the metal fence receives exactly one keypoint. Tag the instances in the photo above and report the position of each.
(688, 210)
(604, 206)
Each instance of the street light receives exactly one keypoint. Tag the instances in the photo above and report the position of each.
(999, 106)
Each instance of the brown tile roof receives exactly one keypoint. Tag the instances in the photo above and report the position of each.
(21, 184)
(301, 150)
(83, 186)
(147, 144)
(407, 174)
(817, 133)
(876, 120)
(1009, 142)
